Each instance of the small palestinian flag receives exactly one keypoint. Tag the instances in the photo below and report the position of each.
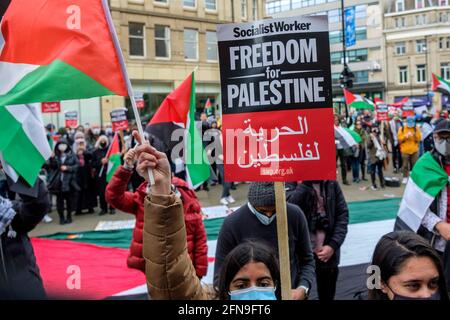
(177, 111)
(440, 85)
(427, 180)
(357, 102)
(208, 107)
(24, 147)
(57, 50)
(113, 156)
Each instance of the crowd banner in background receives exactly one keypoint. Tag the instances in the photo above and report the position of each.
(51, 107)
(119, 119)
(71, 119)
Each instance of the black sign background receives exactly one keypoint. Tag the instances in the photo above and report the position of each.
(322, 64)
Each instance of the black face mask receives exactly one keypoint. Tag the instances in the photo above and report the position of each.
(436, 296)
(103, 144)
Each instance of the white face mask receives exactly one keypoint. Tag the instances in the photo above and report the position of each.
(62, 147)
(96, 131)
(442, 146)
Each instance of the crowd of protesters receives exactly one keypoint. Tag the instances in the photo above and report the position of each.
(169, 241)
(396, 143)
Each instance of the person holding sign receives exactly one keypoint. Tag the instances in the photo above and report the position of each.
(250, 271)
(256, 221)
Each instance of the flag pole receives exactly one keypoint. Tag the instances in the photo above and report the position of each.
(116, 42)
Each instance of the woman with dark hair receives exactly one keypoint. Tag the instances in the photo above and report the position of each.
(250, 271)
(410, 269)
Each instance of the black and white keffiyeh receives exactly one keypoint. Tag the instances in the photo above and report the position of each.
(7, 214)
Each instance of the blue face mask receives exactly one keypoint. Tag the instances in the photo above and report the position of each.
(253, 293)
(265, 220)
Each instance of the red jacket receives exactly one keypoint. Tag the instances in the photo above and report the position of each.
(133, 202)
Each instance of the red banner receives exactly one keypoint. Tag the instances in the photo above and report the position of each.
(296, 146)
(51, 107)
(381, 110)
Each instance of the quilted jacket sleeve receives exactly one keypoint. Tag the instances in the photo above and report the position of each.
(168, 267)
(116, 192)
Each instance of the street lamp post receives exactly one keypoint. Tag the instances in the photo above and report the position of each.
(427, 71)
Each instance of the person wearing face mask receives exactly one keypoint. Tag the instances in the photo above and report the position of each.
(63, 166)
(250, 271)
(377, 154)
(409, 137)
(431, 221)
(86, 199)
(100, 166)
(409, 269)
(256, 221)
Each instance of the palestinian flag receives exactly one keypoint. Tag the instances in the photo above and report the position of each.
(177, 111)
(208, 107)
(357, 102)
(427, 179)
(441, 85)
(113, 156)
(57, 50)
(24, 147)
(347, 138)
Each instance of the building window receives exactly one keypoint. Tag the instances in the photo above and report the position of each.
(400, 48)
(190, 44)
(445, 70)
(361, 11)
(161, 1)
(189, 3)
(136, 39)
(361, 76)
(400, 22)
(421, 73)
(420, 4)
(211, 46)
(255, 10)
(334, 16)
(211, 5)
(447, 43)
(244, 9)
(400, 5)
(421, 19)
(443, 3)
(421, 46)
(443, 17)
(162, 41)
(441, 43)
(403, 75)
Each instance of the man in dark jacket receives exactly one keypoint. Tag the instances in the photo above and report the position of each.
(63, 167)
(327, 214)
(256, 221)
(19, 273)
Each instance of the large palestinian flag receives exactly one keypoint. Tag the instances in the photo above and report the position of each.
(358, 102)
(101, 255)
(177, 112)
(427, 180)
(440, 84)
(57, 50)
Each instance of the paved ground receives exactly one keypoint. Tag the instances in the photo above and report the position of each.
(86, 222)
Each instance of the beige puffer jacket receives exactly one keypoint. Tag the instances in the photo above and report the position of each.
(168, 267)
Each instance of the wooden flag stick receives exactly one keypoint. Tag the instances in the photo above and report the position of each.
(283, 241)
